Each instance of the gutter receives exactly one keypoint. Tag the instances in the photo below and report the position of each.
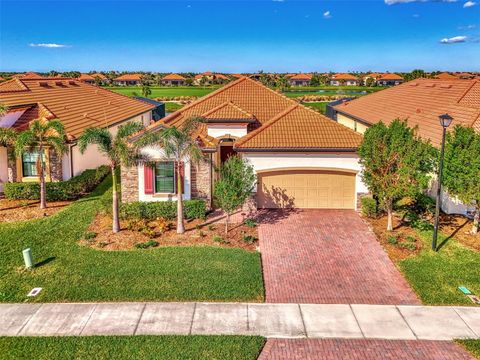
(296, 150)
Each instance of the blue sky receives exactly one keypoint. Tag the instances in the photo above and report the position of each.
(240, 36)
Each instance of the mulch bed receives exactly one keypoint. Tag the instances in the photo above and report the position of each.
(459, 227)
(22, 210)
(197, 233)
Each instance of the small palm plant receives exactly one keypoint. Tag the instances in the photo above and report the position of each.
(119, 151)
(40, 136)
(179, 144)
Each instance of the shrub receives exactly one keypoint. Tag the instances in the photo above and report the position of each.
(369, 207)
(90, 235)
(392, 240)
(146, 244)
(409, 246)
(193, 209)
(423, 204)
(248, 238)
(251, 223)
(72, 189)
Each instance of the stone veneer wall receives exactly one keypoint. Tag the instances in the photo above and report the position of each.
(129, 183)
(201, 178)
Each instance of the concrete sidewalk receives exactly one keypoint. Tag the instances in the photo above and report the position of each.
(269, 320)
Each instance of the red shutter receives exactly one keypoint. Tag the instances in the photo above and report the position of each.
(148, 179)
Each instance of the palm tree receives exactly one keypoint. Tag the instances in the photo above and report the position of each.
(118, 150)
(179, 144)
(7, 135)
(41, 135)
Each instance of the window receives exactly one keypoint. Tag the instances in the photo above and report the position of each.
(165, 177)
(29, 163)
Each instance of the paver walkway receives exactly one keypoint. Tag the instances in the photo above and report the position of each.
(269, 320)
(362, 349)
(327, 257)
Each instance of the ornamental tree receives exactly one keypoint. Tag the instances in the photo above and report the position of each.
(234, 186)
(396, 163)
(462, 168)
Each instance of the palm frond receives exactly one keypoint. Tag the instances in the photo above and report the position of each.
(26, 141)
(7, 137)
(129, 128)
(96, 136)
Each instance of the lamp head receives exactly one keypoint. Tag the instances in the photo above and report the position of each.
(445, 120)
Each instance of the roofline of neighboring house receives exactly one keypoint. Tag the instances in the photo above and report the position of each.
(363, 121)
(230, 121)
(296, 150)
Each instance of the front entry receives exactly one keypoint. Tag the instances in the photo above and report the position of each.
(225, 152)
(314, 189)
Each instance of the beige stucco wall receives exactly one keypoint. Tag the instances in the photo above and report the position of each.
(3, 167)
(351, 123)
(221, 130)
(91, 158)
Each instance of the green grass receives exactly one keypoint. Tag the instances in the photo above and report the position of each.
(78, 273)
(471, 345)
(172, 107)
(435, 276)
(131, 347)
(321, 106)
(165, 91)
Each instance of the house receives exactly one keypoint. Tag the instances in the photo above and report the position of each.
(389, 79)
(78, 106)
(173, 80)
(445, 76)
(1, 79)
(464, 76)
(237, 76)
(87, 79)
(300, 80)
(420, 102)
(301, 158)
(128, 80)
(27, 75)
(101, 78)
(373, 76)
(344, 79)
(208, 78)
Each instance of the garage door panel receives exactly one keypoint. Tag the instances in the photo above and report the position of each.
(306, 189)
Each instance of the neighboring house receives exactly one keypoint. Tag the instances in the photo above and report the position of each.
(209, 78)
(103, 79)
(344, 80)
(420, 102)
(173, 80)
(128, 80)
(87, 79)
(27, 75)
(445, 76)
(301, 158)
(464, 76)
(374, 76)
(389, 79)
(300, 80)
(78, 106)
(1, 79)
(158, 112)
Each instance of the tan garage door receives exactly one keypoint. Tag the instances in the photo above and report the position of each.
(306, 189)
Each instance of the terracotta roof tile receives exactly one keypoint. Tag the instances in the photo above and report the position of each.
(99, 75)
(173, 77)
(27, 75)
(390, 76)
(301, 77)
(76, 104)
(85, 77)
(344, 77)
(445, 76)
(129, 77)
(419, 101)
(227, 111)
(282, 122)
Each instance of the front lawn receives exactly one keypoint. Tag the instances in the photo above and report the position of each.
(471, 345)
(164, 91)
(319, 106)
(68, 271)
(131, 347)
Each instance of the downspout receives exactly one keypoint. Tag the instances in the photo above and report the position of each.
(211, 180)
(70, 155)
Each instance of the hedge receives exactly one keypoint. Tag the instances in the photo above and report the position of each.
(71, 189)
(193, 209)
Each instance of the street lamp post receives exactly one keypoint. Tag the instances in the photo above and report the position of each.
(445, 121)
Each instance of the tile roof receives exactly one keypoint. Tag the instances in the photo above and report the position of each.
(99, 75)
(2, 79)
(301, 77)
(281, 122)
(27, 75)
(445, 76)
(85, 77)
(129, 77)
(373, 75)
(420, 101)
(344, 77)
(228, 112)
(76, 104)
(173, 77)
(390, 76)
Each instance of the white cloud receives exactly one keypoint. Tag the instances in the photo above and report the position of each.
(392, 2)
(278, 0)
(454, 40)
(327, 15)
(49, 45)
(468, 27)
(469, 4)
(416, 16)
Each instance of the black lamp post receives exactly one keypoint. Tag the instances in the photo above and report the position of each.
(445, 121)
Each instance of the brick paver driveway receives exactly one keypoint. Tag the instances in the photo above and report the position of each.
(327, 256)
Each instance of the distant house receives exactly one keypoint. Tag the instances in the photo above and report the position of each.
(445, 76)
(27, 75)
(78, 106)
(344, 79)
(389, 79)
(300, 80)
(464, 76)
(209, 78)
(237, 76)
(173, 80)
(87, 79)
(128, 80)
(374, 76)
(1, 79)
(103, 79)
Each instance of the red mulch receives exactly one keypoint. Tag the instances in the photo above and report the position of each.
(22, 210)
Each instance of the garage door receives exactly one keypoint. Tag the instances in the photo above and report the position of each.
(306, 189)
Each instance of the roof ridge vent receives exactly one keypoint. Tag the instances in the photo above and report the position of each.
(59, 83)
(43, 83)
(71, 82)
